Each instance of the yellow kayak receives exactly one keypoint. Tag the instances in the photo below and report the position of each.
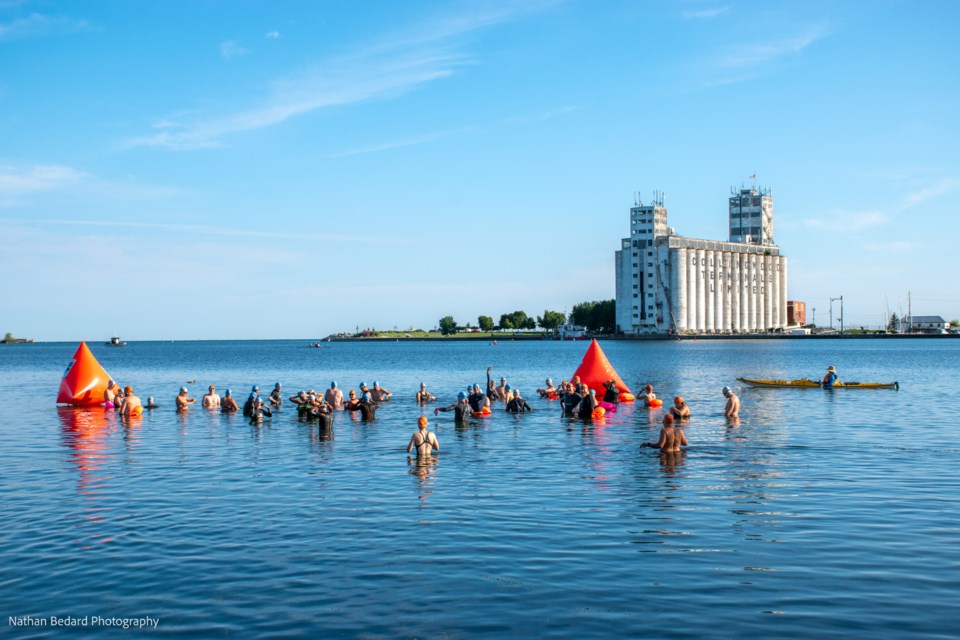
(808, 384)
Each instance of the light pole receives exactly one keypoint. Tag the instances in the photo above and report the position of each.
(841, 313)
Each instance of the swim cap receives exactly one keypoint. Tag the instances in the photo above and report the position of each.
(376, 384)
(516, 392)
(301, 393)
(277, 386)
(255, 388)
(506, 388)
(333, 385)
(366, 395)
(476, 388)
(150, 400)
(128, 389)
(362, 384)
(725, 390)
(461, 395)
(183, 389)
(422, 421)
(549, 381)
(227, 392)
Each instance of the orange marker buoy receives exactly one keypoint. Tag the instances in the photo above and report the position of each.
(656, 402)
(626, 398)
(84, 381)
(598, 413)
(595, 369)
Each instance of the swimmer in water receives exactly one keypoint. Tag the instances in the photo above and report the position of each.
(276, 396)
(228, 404)
(379, 394)
(211, 400)
(131, 403)
(612, 393)
(648, 396)
(732, 408)
(424, 396)
(671, 436)
(461, 408)
(680, 410)
(548, 389)
(109, 394)
(333, 396)
(151, 404)
(517, 404)
(423, 441)
(183, 401)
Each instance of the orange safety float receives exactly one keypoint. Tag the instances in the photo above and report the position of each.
(656, 402)
(598, 413)
(483, 413)
(626, 398)
(84, 381)
(595, 369)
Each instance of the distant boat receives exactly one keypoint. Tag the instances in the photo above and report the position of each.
(115, 341)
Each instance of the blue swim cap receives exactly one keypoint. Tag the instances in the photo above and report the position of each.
(362, 384)
(333, 385)
(461, 395)
(277, 386)
(507, 388)
(376, 384)
(469, 387)
(255, 388)
(227, 392)
(365, 396)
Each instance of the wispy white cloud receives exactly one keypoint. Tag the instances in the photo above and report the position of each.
(762, 53)
(38, 178)
(848, 221)
(273, 35)
(36, 25)
(929, 193)
(703, 14)
(209, 230)
(385, 69)
(401, 142)
(231, 49)
(744, 62)
(546, 115)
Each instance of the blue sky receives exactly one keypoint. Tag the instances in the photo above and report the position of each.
(177, 170)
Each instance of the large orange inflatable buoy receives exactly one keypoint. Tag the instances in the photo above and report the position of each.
(626, 398)
(84, 381)
(596, 369)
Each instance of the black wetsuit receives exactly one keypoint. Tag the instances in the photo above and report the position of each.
(248, 407)
(570, 402)
(612, 394)
(276, 398)
(476, 401)
(257, 415)
(587, 405)
(518, 405)
(461, 411)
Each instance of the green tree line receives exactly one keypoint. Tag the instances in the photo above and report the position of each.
(596, 316)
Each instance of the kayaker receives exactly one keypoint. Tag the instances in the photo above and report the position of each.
(831, 378)
(732, 409)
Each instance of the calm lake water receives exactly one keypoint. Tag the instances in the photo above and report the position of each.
(822, 514)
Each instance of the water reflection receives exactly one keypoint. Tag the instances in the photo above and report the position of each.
(85, 431)
(671, 460)
(423, 468)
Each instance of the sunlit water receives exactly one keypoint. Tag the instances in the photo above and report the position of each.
(822, 514)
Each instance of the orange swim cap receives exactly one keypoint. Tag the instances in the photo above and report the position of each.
(422, 421)
(128, 390)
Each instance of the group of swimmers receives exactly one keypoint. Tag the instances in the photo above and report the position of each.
(576, 399)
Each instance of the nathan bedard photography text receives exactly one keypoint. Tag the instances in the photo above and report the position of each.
(87, 621)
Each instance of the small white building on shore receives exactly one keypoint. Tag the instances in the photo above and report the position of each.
(671, 284)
